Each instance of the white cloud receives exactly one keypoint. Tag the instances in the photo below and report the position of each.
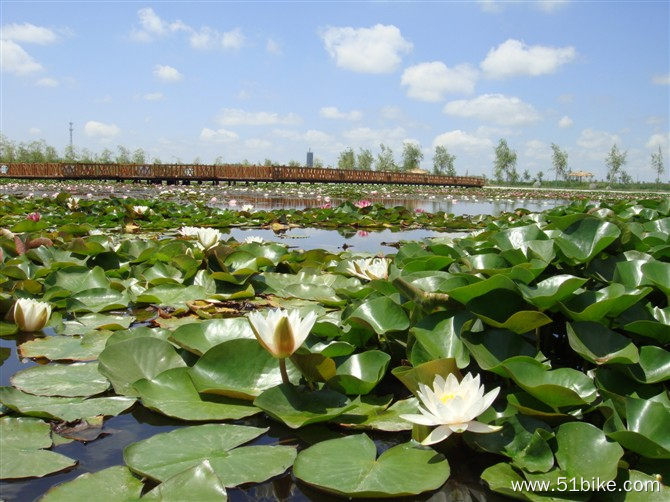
(153, 26)
(47, 82)
(167, 73)
(659, 139)
(367, 50)
(459, 140)
(273, 47)
(592, 139)
(34, 131)
(209, 38)
(431, 81)
(550, 6)
(96, 129)
(367, 135)
(331, 112)
(391, 112)
(153, 96)
(28, 33)
(536, 150)
(218, 135)
(513, 57)
(13, 59)
(236, 116)
(257, 143)
(565, 122)
(496, 108)
(661, 79)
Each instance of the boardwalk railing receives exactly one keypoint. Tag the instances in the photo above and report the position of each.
(185, 173)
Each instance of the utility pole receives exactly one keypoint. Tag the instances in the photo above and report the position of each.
(71, 136)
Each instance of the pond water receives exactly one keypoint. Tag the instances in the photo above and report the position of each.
(140, 423)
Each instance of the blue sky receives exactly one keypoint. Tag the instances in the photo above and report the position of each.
(250, 80)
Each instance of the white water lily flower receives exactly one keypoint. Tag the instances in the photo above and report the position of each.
(452, 407)
(31, 315)
(254, 238)
(189, 231)
(208, 237)
(369, 268)
(281, 332)
(140, 210)
(72, 203)
(247, 207)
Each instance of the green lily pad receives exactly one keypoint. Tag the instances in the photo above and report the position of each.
(349, 467)
(505, 309)
(381, 314)
(117, 483)
(98, 300)
(68, 380)
(381, 418)
(360, 373)
(654, 365)
(164, 455)
(557, 388)
(646, 430)
(585, 238)
(130, 360)
(438, 336)
(22, 440)
(658, 274)
(70, 280)
(66, 348)
(297, 408)
(63, 408)
(240, 369)
(172, 393)
(199, 337)
(493, 346)
(584, 451)
(172, 295)
(600, 345)
(607, 302)
(545, 294)
(195, 483)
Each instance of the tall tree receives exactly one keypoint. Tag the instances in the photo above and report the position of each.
(105, 157)
(615, 161)
(123, 155)
(526, 175)
(559, 161)
(505, 162)
(139, 157)
(443, 161)
(364, 159)
(347, 159)
(411, 156)
(385, 160)
(657, 164)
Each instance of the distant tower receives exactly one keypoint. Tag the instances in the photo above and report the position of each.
(71, 135)
(310, 158)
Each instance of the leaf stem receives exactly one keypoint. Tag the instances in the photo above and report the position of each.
(282, 369)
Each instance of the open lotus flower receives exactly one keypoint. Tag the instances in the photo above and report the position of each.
(369, 268)
(72, 203)
(281, 332)
(34, 216)
(254, 238)
(208, 237)
(363, 203)
(452, 407)
(31, 315)
(140, 210)
(189, 231)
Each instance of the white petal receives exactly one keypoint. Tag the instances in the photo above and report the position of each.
(474, 426)
(437, 435)
(421, 420)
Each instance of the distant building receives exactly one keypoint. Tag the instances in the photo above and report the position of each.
(310, 159)
(418, 170)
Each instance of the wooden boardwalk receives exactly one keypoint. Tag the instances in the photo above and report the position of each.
(187, 173)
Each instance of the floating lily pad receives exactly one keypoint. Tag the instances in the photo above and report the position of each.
(240, 369)
(172, 393)
(164, 455)
(360, 373)
(130, 360)
(425, 373)
(600, 345)
(584, 451)
(68, 380)
(63, 408)
(22, 440)
(199, 337)
(298, 407)
(381, 314)
(116, 483)
(349, 467)
(196, 483)
(66, 348)
(381, 418)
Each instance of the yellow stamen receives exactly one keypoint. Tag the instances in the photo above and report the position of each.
(446, 397)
